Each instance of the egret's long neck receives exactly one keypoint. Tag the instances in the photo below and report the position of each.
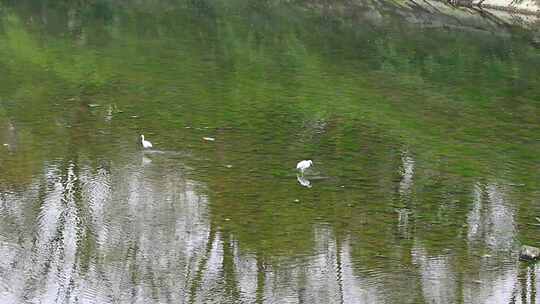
(142, 137)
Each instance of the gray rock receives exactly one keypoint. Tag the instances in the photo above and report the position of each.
(529, 253)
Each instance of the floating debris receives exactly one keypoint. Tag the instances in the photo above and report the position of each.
(209, 138)
(93, 105)
(227, 219)
(297, 201)
(134, 116)
(228, 166)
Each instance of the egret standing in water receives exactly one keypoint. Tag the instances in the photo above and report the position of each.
(303, 165)
(145, 143)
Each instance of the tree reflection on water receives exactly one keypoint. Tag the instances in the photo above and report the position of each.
(424, 141)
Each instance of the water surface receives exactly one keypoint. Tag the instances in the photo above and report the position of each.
(425, 140)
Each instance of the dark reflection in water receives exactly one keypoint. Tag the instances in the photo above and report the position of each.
(424, 140)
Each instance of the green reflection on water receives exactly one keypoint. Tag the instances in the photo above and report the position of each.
(276, 84)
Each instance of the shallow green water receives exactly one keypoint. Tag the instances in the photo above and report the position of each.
(425, 144)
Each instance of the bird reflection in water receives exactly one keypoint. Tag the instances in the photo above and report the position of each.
(303, 181)
(145, 160)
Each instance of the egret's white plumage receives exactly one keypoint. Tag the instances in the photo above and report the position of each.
(303, 165)
(145, 143)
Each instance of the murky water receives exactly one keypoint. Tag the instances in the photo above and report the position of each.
(425, 140)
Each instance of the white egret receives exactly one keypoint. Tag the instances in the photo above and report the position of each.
(303, 165)
(145, 143)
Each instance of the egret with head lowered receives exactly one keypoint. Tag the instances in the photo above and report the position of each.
(145, 143)
(303, 165)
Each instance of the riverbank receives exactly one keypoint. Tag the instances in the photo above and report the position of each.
(527, 7)
(493, 17)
